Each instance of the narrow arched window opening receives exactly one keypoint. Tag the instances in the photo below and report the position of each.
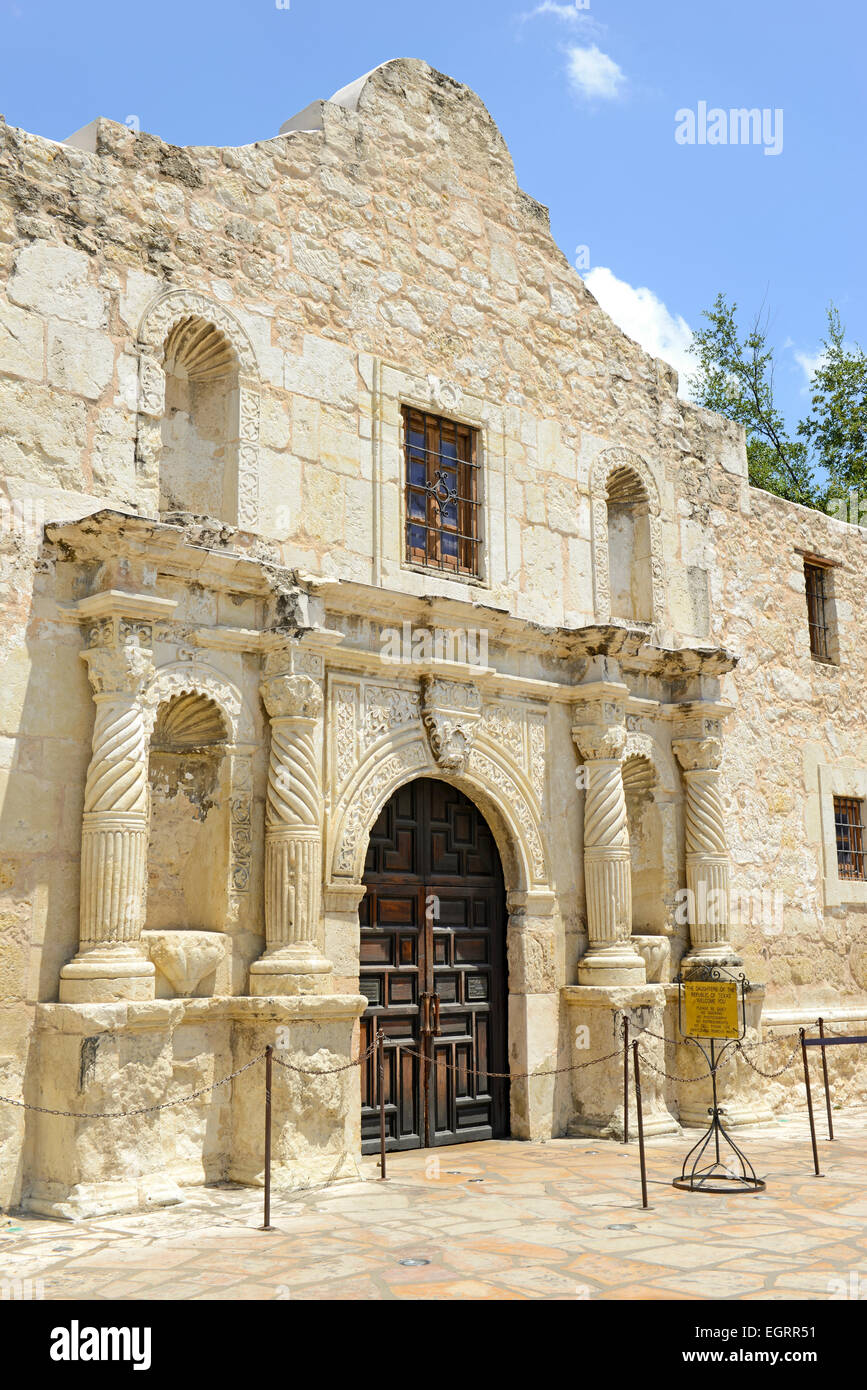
(198, 466)
(629, 547)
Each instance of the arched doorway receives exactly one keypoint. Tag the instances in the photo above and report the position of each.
(433, 969)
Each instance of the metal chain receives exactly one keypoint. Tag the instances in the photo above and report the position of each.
(769, 1075)
(682, 1080)
(140, 1110)
(507, 1075)
(329, 1071)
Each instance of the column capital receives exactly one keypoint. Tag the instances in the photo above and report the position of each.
(600, 742)
(701, 754)
(289, 696)
(599, 721)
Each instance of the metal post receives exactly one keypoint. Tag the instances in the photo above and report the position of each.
(380, 1058)
(625, 1079)
(640, 1125)
(824, 1053)
(809, 1102)
(266, 1225)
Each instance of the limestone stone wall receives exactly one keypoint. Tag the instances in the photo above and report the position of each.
(380, 254)
(794, 717)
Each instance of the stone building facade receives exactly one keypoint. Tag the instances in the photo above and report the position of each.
(384, 642)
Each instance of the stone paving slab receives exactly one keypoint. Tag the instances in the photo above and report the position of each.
(503, 1220)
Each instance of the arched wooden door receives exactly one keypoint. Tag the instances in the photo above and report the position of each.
(433, 969)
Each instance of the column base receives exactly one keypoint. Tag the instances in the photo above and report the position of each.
(107, 975)
(612, 965)
(718, 953)
(287, 970)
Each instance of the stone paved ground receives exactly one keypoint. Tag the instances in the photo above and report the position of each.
(560, 1220)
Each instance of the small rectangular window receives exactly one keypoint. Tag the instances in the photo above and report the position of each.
(849, 828)
(819, 611)
(442, 494)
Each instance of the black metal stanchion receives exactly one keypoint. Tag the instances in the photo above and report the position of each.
(802, 1032)
(625, 1079)
(640, 1125)
(825, 1077)
(380, 1066)
(266, 1224)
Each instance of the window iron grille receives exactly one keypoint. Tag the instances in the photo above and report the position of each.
(849, 829)
(443, 529)
(816, 580)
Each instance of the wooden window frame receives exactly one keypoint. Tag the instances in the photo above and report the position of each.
(849, 834)
(819, 611)
(442, 524)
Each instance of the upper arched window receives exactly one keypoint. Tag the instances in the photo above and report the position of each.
(197, 441)
(629, 569)
(198, 464)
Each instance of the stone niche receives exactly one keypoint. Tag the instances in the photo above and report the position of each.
(188, 850)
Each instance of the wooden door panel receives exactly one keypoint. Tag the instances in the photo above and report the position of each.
(433, 921)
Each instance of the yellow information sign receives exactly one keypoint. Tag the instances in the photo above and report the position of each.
(711, 1009)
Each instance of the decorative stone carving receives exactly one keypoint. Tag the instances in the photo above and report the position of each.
(507, 793)
(611, 958)
(387, 773)
(110, 964)
(707, 858)
(655, 951)
(345, 707)
(186, 957)
(293, 961)
(451, 711)
(387, 708)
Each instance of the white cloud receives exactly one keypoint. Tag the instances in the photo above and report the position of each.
(645, 318)
(573, 14)
(809, 365)
(593, 74)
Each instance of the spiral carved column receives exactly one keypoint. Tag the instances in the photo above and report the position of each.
(611, 958)
(110, 964)
(293, 961)
(707, 857)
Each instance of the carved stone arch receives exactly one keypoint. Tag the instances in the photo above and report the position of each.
(162, 316)
(644, 745)
(186, 678)
(489, 782)
(613, 462)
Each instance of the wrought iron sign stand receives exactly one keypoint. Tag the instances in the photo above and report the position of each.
(716, 1176)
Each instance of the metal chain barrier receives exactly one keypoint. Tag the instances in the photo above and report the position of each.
(326, 1071)
(508, 1075)
(140, 1110)
(769, 1075)
(183, 1100)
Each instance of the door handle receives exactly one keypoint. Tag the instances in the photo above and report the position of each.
(436, 1004)
(424, 1005)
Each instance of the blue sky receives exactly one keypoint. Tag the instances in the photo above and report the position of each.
(586, 97)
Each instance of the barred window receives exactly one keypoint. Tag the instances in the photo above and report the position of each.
(818, 610)
(849, 828)
(442, 494)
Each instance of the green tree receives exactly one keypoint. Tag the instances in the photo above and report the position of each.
(736, 378)
(836, 428)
